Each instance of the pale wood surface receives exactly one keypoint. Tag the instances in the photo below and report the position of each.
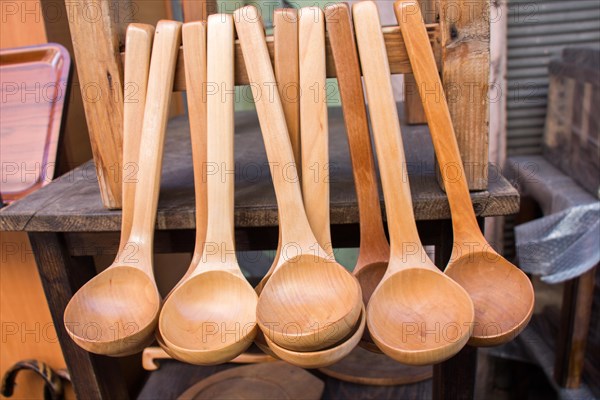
(413, 290)
(127, 317)
(474, 264)
(287, 71)
(412, 101)
(313, 124)
(194, 40)
(137, 66)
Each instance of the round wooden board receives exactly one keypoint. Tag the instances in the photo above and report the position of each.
(268, 381)
(367, 368)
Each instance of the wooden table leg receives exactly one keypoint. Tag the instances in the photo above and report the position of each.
(576, 312)
(93, 376)
(453, 379)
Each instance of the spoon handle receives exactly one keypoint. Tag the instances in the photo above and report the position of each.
(160, 86)
(374, 245)
(293, 222)
(313, 124)
(194, 43)
(386, 130)
(287, 72)
(138, 43)
(220, 167)
(408, 15)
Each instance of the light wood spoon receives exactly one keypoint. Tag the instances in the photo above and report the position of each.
(287, 74)
(313, 124)
(138, 43)
(374, 252)
(193, 36)
(211, 317)
(116, 312)
(416, 315)
(502, 293)
(309, 302)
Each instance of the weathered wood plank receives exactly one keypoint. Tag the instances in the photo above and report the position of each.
(73, 203)
(97, 28)
(465, 47)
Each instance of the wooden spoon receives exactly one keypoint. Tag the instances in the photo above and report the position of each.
(116, 311)
(287, 74)
(502, 293)
(194, 44)
(416, 315)
(309, 302)
(138, 43)
(211, 317)
(374, 252)
(313, 124)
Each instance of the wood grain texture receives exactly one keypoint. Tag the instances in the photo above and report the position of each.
(374, 247)
(313, 124)
(72, 202)
(287, 72)
(413, 108)
(394, 43)
(465, 68)
(100, 72)
(194, 40)
(137, 66)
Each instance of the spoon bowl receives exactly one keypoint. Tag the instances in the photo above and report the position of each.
(214, 312)
(427, 332)
(369, 277)
(321, 358)
(121, 302)
(497, 320)
(309, 304)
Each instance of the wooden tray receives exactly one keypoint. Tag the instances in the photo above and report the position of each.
(274, 380)
(367, 368)
(34, 82)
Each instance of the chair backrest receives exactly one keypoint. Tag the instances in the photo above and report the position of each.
(459, 32)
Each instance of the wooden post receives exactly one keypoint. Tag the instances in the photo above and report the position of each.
(465, 46)
(97, 31)
(576, 312)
